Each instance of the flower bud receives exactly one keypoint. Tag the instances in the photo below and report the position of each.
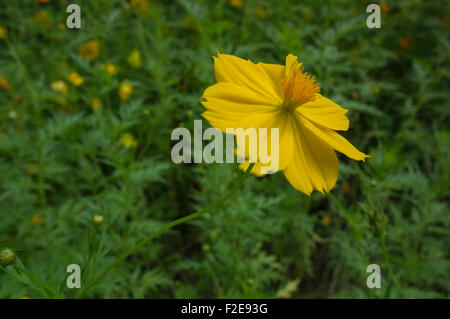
(7, 257)
(98, 221)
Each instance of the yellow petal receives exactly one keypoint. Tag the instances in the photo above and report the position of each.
(276, 75)
(333, 139)
(314, 165)
(230, 68)
(292, 64)
(325, 112)
(228, 103)
(270, 120)
(256, 170)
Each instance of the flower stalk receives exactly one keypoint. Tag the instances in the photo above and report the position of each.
(166, 227)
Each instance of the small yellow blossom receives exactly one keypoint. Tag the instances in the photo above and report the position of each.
(110, 68)
(4, 84)
(127, 139)
(261, 13)
(140, 6)
(191, 24)
(90, 50)
(384, 7)
(236, 3)
(41, 18)
(61, 26)
(288, 290)
(2, 33)
(326, 220)
(134, 59)
(125, 91)
(404, 43)
(12, 114)
(26, 297)
(75, 79)
(60, 87)
(96, 103)
(36, 220)
(376, 90)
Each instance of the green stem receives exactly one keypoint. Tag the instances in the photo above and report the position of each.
(166, 227)
(36, 280)
(386, 258)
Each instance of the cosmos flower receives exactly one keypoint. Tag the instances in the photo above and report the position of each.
(2, 33)
(90, 50)
(110, 68)
(4, 84)
(96, 104)
(125, 91)
(127, 140)
(36, 220)
(250, 95)
(75, 78)
(140, 7)
(236, 3)
(134, 59)
(60, 87)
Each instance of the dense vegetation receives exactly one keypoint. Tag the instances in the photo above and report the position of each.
(85, 124)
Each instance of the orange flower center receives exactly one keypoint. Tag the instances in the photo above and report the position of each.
(299, 88)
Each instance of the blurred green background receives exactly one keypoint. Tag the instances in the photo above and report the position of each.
(85, 124)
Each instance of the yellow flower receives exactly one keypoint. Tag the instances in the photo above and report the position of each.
(75, 79)
(4, 84)
(125, 91)
(36, 220)
(235, 3)
(134, 59)
(250, 95)
(140, 6)
(326, 220)
(12, 114)
(60, 87)
(41, 18)
(384, 7)
(96, 103)
(191, 24)
(127, 140)
(260, 12)
(111, 69)
(2, 33)
(404, 43)
(90, 50)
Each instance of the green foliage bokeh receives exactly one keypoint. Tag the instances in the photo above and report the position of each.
(62, 162)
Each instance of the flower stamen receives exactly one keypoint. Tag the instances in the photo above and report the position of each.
(299, 87)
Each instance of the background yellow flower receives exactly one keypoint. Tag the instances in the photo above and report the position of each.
(60, 87)
(90, 50)
(75, 79)
(4, 84)
(134, 59)
(125, 91)
(127, 139)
